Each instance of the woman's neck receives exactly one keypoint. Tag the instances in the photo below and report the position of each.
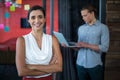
(37, 34)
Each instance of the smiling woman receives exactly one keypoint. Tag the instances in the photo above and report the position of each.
(38, 54)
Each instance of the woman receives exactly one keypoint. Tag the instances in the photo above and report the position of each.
(38, 54)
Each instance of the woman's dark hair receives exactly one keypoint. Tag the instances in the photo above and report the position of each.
(90, 8)
(36, 7)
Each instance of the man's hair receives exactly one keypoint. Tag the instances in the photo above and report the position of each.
(90, 8)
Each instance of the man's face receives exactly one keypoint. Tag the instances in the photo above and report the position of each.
(87, 16)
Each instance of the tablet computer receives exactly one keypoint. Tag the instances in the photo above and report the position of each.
(62, 39)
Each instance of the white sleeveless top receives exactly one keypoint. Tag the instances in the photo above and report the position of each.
(35, 55)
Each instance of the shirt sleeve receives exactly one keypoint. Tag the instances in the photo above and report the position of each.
(104, 39)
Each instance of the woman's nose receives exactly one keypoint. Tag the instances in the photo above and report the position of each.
(36, 20)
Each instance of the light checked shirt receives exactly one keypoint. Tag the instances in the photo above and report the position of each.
(97, 34)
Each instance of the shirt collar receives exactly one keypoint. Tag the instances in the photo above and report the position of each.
(95, 24)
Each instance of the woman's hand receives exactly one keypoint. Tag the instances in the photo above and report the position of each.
(30, 66)
(53, 60)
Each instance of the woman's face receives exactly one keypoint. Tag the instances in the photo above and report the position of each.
(37, 19)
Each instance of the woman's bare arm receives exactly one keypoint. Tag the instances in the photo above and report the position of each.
(22, 68)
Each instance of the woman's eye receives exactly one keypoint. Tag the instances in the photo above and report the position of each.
(33, 17)
(40, 16)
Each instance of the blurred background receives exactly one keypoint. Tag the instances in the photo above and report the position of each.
(62, 16)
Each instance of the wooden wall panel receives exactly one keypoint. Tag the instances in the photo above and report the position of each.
(112, 66)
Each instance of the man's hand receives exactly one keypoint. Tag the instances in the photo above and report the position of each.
(63, 45)
(82, 44)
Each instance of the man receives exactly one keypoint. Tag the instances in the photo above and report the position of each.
(93, 40)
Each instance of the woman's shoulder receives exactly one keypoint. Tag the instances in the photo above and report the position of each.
(54, 39)
(47, 35)
(51, 36)
(20, 39)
